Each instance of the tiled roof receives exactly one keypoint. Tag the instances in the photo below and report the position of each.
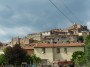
(60, 45)
(28, 47)
(65, 62)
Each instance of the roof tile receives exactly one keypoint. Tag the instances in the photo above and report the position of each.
(59, 45)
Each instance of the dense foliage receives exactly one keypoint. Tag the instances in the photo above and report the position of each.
(87, 50)
(16, 55)
(87, 39)
(78, 58)
(3, 61)
(81, 38)
(36, 60)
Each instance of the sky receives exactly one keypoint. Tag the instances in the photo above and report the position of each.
(22, 17)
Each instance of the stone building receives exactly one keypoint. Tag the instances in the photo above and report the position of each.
(79, 29)
(70, 34)
(61, 39)
(21, 41)
(35, 36)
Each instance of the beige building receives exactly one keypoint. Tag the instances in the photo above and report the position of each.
(57, 53)
(21, 41)
(15, 40)
(1, 50)
(57, 39)
(79, 29)
(70, 34)
(55, 36)
(25, 41)
(35, 36)
(29, 49)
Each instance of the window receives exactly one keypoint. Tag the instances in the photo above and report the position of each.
(65, 50)
(58, 50)
(43, 50)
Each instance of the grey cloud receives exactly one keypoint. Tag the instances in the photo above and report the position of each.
(39, 15)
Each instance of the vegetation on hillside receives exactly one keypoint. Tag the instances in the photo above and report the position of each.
(16, 55)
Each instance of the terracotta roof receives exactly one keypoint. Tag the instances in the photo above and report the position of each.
(28, 47)
(65, 62)
(60, 45)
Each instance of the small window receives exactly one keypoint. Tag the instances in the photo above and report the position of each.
(65, 50)
(43, 50)
(58, 50)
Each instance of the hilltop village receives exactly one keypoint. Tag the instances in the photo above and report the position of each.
(54, 36)
(54, 46)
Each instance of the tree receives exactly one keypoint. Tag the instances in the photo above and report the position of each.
(29, 59)
(87, 50)
(87, 39)
(8, 52)
(81, 38)
(15, 54)
(68, 41)
(2, 59)
(36, 60)
(19, 54)
(78, 58)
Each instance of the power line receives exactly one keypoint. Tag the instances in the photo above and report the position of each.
(74, 16)
(61, 11)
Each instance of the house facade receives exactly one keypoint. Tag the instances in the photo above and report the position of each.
(55, 54)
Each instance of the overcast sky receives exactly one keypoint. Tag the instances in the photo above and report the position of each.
(21, 17)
